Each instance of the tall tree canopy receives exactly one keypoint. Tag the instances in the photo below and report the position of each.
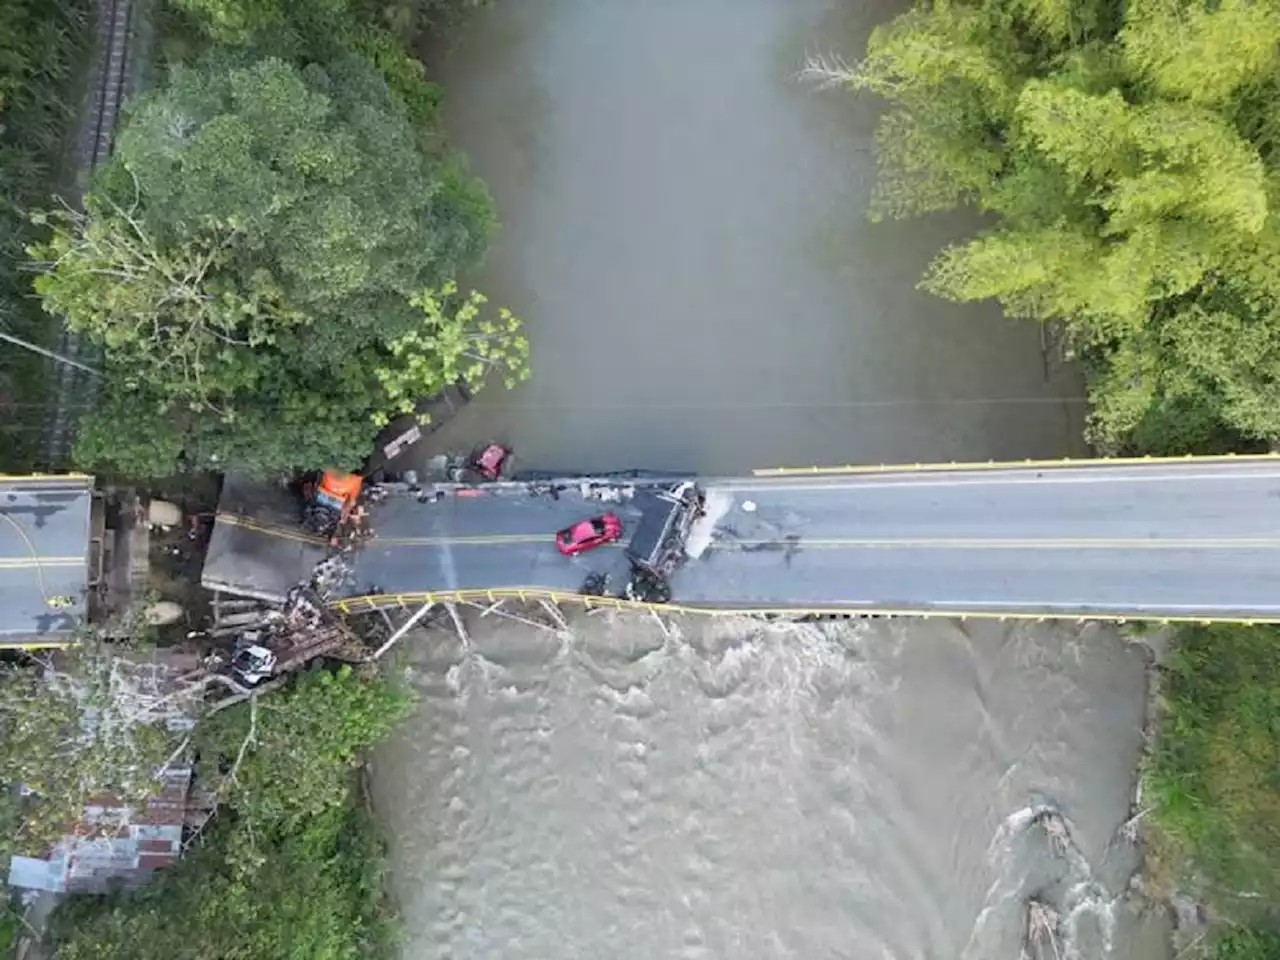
(1128, 151)
(255, 259)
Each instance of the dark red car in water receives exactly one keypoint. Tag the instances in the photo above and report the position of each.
(490, 462)
(589, 534)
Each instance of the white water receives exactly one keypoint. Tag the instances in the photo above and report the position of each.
(745, 790)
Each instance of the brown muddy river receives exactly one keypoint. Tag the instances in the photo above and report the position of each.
(684, 230)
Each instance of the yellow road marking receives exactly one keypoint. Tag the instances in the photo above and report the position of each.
(258, 526)
(1065, 462)
(18, 563)
(41, 477)
(483, 539)
(497, 539)
(851, 543)
(1029, 543)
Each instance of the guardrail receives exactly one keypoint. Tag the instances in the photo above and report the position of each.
(1008, 464)
(381, 601)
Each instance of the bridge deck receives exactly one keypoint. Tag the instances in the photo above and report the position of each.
(1128, 538)
(44, 561)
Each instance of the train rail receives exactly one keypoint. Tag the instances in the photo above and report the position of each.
(75, 389)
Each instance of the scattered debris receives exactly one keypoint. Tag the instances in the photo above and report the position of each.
(647, 586)
(457, 624)
(114, 842)
(556, 615)
(1055, 827)
(163, 515)
(1043, 926)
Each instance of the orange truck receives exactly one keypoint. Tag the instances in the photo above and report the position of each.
(328, 501)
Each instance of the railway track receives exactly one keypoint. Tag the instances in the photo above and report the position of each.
(113, 28)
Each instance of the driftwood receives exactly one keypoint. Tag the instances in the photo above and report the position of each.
(556, 615)
(1043, 924)
(399, 634)
(458, 625)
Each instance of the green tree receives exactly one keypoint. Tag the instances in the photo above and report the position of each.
(318, 30)
(1128, 154)
(291, 753)
(42, 42)
(291, 866)
(250, 260)
(235, 21)
(84, 722)
(316, 896)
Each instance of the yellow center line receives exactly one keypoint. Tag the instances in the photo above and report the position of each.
(1026, 543)
(258, 526)
(18, 563)
(496, 539)
(802, 542)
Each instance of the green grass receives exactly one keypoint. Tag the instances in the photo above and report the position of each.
(1247, 945)
(1213, 777)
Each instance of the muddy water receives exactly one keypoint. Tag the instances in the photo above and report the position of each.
(684, 230)
(732, 789)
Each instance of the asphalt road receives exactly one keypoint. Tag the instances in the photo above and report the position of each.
(44, 564)
(1193, 538)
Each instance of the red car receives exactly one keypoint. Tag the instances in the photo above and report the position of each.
(490, 461)
(589, 534)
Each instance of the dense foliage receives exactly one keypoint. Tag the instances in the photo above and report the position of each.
(303, 744)
(80, 724)
(240, 21)
(42, 42)
(1247, 944)
(268, 259)
(316, 896)
(1213, 777)
(291, 867)
(1128, 155)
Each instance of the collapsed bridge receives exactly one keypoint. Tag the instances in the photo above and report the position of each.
(1194, 538)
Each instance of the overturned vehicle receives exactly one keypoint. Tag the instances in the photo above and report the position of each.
(658, 544)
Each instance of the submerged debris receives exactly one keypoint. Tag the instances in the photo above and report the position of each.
(1055, 827)
(1043, 926)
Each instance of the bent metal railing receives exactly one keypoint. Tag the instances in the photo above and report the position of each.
(400, 601)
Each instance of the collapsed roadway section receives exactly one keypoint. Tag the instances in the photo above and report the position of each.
(1194, 539)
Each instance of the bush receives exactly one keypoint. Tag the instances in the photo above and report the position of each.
(318, 895)
(292, 867)
(1213, 777)
(1248, 945)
